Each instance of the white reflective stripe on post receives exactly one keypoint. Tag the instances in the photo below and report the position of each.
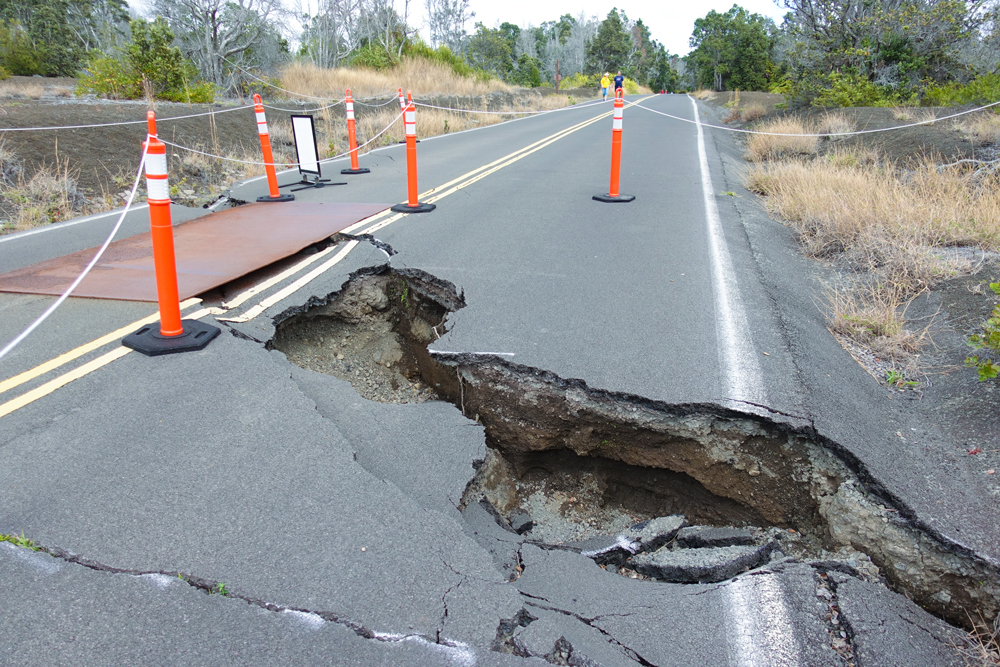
(350, 111)
(261, 128)
(619, 112)
(410, 118)
(157, 188)
(617, 124)
(156, 164)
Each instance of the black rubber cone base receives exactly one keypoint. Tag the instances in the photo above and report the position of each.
(362, 170)
(148, 340)
(278, 198)
(419, 208)
(612, 200)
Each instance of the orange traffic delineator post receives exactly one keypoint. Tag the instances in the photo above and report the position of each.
(173, 334)
(412, 205)
(265, 147)
(352, 139)
(616, 153)
(402, 102)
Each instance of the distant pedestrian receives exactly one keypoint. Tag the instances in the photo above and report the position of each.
(605, 84)
(619, 83)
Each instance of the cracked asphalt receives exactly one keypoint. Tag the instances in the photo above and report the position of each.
(333, 523)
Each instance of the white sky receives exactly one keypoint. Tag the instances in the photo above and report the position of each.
(669, 21)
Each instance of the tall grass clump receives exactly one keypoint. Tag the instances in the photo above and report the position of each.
(49, 195)
(420, 75)
(785, 137)
(896, 226)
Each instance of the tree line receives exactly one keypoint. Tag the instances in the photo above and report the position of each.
(825, 51)
(854, 52)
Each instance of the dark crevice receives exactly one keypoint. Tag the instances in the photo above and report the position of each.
(630, 456)
(838, 627)
(381, 245)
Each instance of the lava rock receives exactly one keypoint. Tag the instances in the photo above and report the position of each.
(698, 537)
(709, 565)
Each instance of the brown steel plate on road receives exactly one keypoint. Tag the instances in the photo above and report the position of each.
(210, 251)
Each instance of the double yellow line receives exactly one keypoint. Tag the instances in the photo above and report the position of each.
(367, 226)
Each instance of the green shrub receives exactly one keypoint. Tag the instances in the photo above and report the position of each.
(853, 90)
(147, 64)
(988, 340)
(982, 90)
(374, 57)
(631, 87)
(417, 48)
(18, 52)
(4, 73)
(581, 80)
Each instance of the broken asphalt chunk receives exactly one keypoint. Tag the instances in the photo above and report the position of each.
(642, 537)
(709, 565)
(698, 537)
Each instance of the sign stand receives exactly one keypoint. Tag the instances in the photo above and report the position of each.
(307, 155)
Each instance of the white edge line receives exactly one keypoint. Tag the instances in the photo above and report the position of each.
(68, 223)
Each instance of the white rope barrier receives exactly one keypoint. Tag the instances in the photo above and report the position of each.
(51, 309)
(126, 122)
(284, 164)
(826, 134)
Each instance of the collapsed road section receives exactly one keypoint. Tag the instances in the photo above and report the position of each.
(569, 465)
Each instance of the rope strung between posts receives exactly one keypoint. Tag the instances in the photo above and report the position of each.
(126, 122)
(58, 302)
(825, 134)
(283, 164)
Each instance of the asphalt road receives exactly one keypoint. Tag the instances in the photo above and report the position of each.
(333, 522)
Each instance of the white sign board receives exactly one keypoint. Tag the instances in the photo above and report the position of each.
(305, 144)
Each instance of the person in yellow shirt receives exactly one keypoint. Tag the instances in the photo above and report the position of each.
(605, 84)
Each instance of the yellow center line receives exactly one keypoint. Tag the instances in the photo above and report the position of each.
(64, 359)
(62, 380)
(455, 185)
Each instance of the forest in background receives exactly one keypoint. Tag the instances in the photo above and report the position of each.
(825, 52)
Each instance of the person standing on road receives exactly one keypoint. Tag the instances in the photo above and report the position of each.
(605, 84)
(619, 83)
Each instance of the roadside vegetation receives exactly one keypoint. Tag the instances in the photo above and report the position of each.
(901, 228)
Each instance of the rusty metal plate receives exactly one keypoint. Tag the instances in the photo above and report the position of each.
(210, 251)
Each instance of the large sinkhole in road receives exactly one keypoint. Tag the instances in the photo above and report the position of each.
(581, 462)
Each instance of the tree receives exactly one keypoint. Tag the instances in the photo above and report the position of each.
(611, 48)
(489, 50)
(216, 33)
(53, 37)
(895, 44)
(330, 36)
(446, 20)
(732, 50)
(663, 75)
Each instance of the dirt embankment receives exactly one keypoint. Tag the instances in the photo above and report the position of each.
(105, 159)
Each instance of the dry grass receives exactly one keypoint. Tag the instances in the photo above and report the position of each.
(847, 199)
(15, 90)
(783, 142)
(835, 123)
(703, 94)
(421, 76)
(983, 645)
(901, 230)
(753, 111)
(981, 129)
(49, 195)
(875, 318)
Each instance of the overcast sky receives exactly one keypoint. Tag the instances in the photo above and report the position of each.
(670, 21)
